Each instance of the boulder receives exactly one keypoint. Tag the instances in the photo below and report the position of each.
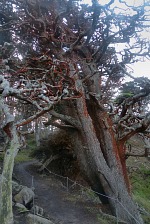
(30, 218)
(16, 187)
(21, 208)
(25, 196)
(37, 210)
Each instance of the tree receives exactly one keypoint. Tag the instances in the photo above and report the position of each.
(63, 53)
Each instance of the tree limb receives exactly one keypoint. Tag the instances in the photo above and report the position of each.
(135, 155)
(58, 125)
(68, 119)
(136, 128)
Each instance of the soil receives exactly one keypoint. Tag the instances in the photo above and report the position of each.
(62, 205)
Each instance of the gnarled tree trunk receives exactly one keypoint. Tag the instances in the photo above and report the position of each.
(6, 214)
(98, 154)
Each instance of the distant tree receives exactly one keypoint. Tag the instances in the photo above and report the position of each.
(63, 53)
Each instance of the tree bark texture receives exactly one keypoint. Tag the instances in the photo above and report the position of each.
(6, 214)
(99, 157)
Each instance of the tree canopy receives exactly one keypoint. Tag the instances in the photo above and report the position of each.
(39, 38)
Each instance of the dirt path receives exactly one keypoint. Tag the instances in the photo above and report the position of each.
(57, 203)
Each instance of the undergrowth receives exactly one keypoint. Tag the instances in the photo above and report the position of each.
(31, 142)
(141, 191)
(25, 154)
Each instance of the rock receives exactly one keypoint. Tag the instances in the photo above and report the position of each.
(16, 187)
(21, 208)
(37, 220)
(37, 210)
(25, 196)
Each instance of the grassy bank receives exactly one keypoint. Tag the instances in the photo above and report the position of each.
(141, 191)
(25, 154)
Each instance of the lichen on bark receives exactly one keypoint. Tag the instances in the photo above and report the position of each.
(6, 214)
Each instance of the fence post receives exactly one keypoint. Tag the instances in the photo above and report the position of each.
(32, 187)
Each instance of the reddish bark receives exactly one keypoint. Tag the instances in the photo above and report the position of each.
(104, 130)
(7, 130)
(122, 156)
(98, 155)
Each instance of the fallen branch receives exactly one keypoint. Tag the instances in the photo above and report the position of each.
(48, 161)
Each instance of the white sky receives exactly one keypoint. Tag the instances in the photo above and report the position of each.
(129, 2)
(139, 68)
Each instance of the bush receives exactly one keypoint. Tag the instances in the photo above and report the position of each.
(58, 143)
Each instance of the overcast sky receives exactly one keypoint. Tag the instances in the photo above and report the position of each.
(139, 68)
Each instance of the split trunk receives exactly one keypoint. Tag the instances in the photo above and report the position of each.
(101, 161)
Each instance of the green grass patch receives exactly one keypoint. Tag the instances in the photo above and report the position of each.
(23, 156)
(105, 220)
(141, 190)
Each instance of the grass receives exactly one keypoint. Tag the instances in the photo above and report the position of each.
(25, 154)
(105, 220)
(140, 178)
(141, 190)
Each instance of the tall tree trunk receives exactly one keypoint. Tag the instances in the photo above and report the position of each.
(101, 163)
(6, 214)
(37, 132)
(106, 137)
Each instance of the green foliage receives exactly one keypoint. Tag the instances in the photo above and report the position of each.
(22, 210)
(123, 96)
(129, 94)
(135, 86)
(105, 220)
(23, 156)
(31, 143)
(141, 191)
(132, 88)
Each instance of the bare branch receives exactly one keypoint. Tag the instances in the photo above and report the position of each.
(135, 154)
(37, 115)
(142, 126)
(58, 125)
(69, 120)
